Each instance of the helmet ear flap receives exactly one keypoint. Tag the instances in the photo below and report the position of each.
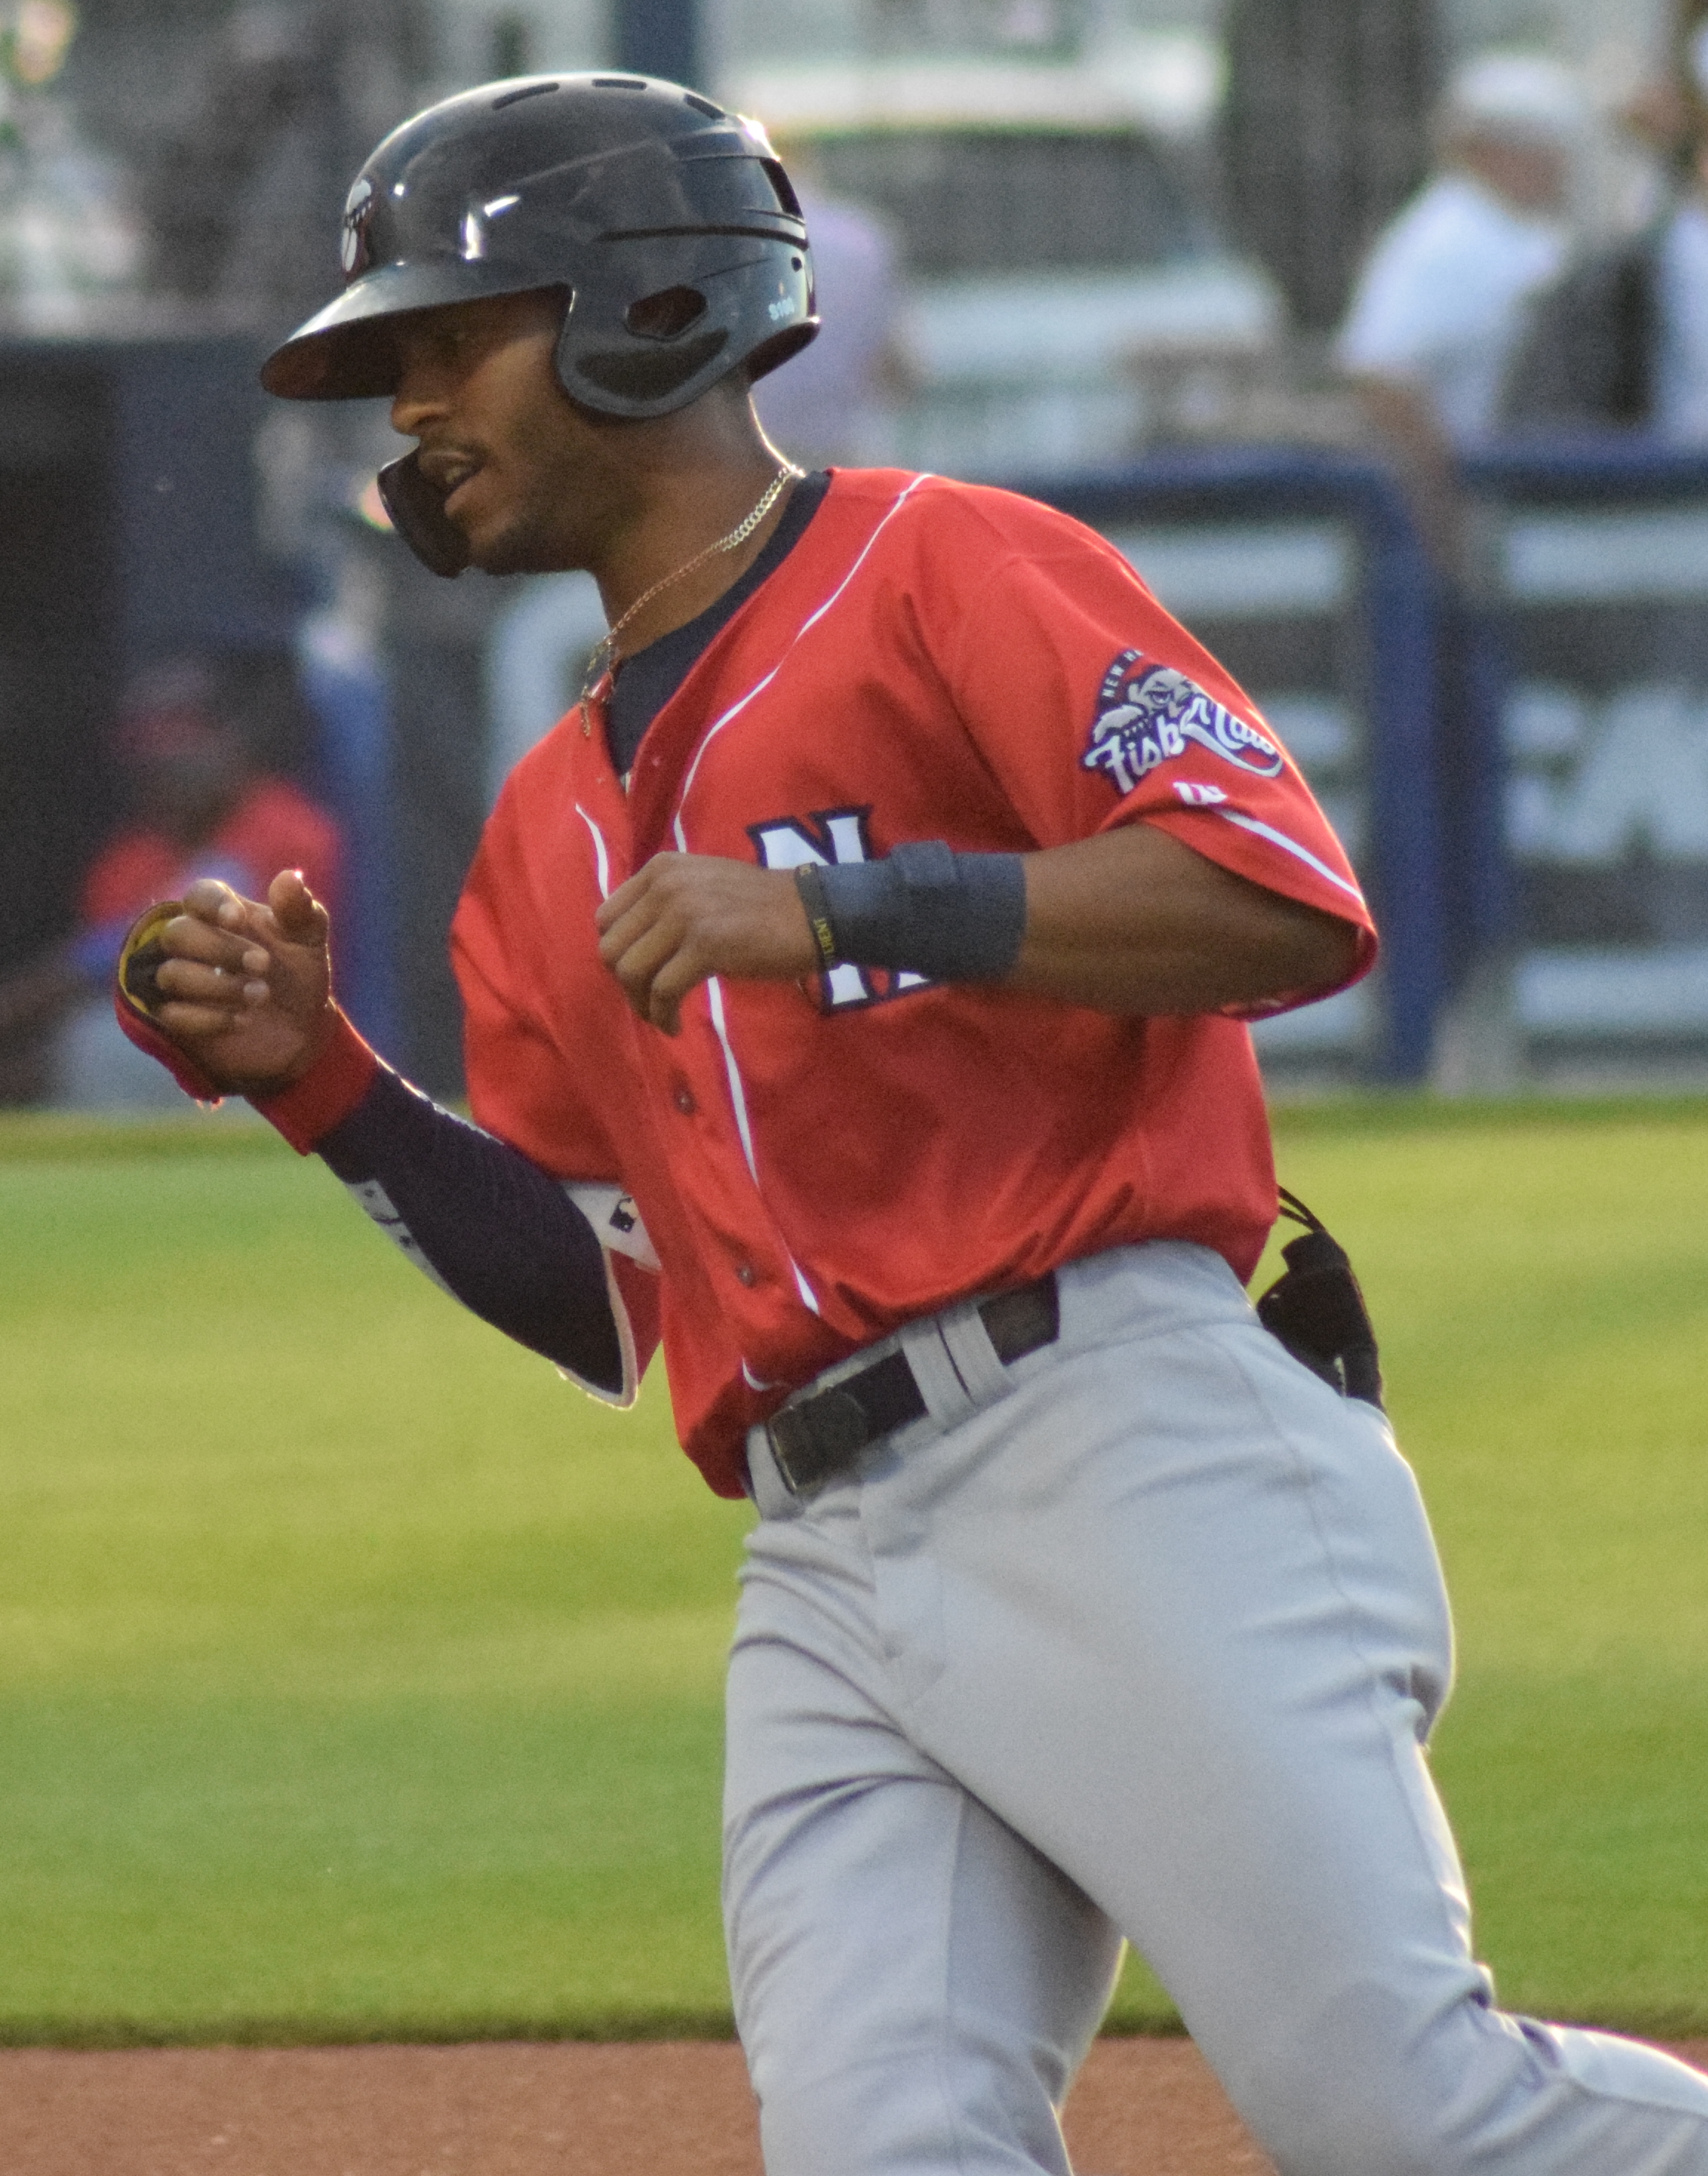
(655, 371)
(770, 354)
(621, 377)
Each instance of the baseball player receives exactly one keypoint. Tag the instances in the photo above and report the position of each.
(856, 982)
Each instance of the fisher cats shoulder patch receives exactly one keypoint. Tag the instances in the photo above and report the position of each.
(1146, 715)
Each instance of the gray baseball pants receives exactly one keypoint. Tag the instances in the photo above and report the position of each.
(1140, 1636)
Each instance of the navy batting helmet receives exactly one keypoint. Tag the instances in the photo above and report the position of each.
(669, 224)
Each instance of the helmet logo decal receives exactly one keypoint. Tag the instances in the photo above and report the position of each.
(358, 210)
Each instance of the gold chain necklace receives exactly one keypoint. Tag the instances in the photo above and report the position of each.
(605, 651)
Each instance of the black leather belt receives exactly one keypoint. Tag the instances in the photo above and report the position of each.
(818, 1438)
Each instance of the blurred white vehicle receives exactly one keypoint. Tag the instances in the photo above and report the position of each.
(1070, 300)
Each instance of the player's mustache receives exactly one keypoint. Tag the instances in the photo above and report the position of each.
(446, 465)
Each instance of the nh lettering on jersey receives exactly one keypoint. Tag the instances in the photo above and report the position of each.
(831, 838)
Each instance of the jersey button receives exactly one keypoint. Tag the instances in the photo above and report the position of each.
(685, 1102)
(746, 1274)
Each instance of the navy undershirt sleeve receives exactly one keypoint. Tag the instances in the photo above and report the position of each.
(485, 1221)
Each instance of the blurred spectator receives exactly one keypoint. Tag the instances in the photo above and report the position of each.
(1429, 337)
(1679, 383)
(1323, 133)
(244, 200)
(1621, 340)
(1670, 113)
(820, 407)
(1439, 306)
(200, 808)
(69, 239)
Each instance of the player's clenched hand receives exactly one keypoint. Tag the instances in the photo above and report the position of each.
(248, 987)
(685, 917)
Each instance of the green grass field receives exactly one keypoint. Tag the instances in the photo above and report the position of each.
(359, 1677)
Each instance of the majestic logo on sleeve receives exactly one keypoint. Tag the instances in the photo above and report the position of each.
(1147, 713)
(832, 838)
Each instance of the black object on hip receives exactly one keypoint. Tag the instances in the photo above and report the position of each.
(1317, 1312)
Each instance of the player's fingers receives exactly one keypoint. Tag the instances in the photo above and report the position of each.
(642, 923)
(211, 900)
(298, 915)
(206, 896)
(664, 960)
(624, 920)
(682, 896)
(186, 937)
(248, 923)
(637, 961)
(187, 1022)
(684, 970)
(634, 942)
(191, 981)
(630, 895)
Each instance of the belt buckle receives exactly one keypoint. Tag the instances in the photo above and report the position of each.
(814, 1440)
(1023, 1319)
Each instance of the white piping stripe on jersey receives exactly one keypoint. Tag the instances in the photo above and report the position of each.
(602, 858)
(807, 625)
(734, 711)
(1291, 846)
(739, 1094)
(901, 499)
(738, 1097)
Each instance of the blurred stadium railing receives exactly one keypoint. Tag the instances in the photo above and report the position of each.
(1588, 841)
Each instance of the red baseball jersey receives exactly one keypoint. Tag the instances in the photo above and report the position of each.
(806, 1166)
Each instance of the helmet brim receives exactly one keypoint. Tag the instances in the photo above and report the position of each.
(349, 350)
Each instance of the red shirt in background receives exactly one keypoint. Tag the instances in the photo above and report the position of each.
(273, 827)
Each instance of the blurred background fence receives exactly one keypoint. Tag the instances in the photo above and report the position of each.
(1156, 261)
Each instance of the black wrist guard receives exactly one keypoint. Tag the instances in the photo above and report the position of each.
(809, 882)
(956, 918)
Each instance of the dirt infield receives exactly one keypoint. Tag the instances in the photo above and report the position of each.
(1142, 2108)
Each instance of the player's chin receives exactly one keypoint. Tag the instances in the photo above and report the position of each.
(509, 542)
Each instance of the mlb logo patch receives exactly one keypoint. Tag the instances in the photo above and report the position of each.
(1146, 715)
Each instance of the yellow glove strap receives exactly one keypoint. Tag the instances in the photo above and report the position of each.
(143, 954)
